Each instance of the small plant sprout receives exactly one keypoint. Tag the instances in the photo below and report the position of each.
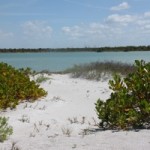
(95, 122)
(47, 126)
(40, 123)
(42, 78)
(24, 119)
(36, 105)
(26, 105)
(85, 132)
(73, 120)
(42, 108)
(32, 135)
(14, 147)
(36, 128)
(5, 130)
(53, 136)
(89, 123)
(56, 98)
(66, 131)
(87, 93)
(83, 120)
(74, 146)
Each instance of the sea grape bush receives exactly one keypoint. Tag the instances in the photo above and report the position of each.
(16, 86)
(129, 104)
(5, 130)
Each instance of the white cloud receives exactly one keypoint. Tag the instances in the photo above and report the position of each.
(147, 14)
(5, 35)
(37, 29)
(120, 19)
(102, 30)
(143, 23)
(92, 30)
(74, 32)
(126, 29)
(121, 6)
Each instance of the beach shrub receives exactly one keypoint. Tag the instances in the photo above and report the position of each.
(5, 130)
(98, 70)
(16, 86)
(41, 78)
(129, 104)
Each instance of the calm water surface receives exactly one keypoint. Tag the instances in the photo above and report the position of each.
(58, 61)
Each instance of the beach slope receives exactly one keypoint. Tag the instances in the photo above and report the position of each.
(66, 119)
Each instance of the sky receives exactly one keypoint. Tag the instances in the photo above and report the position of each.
(74, 23)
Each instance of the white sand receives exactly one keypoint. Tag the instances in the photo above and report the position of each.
(66, 119)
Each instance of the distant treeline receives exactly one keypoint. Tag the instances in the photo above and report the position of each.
(86, 49)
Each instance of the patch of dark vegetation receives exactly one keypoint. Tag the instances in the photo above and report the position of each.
(96, 70)
(129, 104)
(77, 49)
(16, 86)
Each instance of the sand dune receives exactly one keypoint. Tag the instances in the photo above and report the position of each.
(66, 119)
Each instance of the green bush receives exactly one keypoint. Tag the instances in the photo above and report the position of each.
(5, 130)
(16, 86)
(129, 104)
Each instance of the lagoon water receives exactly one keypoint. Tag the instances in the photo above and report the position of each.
(59, 61)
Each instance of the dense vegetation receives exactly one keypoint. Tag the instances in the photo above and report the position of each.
(15, 86)
(129, 104)
(124, 48)
(85, 49)
(96, 70)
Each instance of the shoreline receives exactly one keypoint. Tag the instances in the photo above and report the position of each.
(128, 48)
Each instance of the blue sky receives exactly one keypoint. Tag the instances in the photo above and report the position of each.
(74, 23)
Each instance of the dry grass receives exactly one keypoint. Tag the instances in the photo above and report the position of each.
(97, 70)
(66, 131)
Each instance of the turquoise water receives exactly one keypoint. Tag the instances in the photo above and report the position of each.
(58, 61)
